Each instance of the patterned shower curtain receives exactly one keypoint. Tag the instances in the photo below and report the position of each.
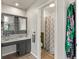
(49, 34)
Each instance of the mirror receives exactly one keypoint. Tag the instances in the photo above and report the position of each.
(22, 23)
(7, 24)
(11, 24)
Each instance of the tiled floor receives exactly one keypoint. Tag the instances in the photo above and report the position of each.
(13, 56)
(46, 55)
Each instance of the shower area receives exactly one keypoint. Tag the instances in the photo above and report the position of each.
(48, 31)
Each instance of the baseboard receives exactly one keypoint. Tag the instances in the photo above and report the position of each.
(8, 53)
(34, 55)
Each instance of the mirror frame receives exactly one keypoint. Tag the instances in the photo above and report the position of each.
(16, 24)
(21, 31)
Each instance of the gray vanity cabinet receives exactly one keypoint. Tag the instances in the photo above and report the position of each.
(20, 48)
(28, 46)
(24, 47)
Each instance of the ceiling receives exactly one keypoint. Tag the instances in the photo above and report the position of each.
(23, 4)
(50, 9)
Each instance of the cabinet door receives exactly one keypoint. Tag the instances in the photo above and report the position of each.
(21, 48)
(28, 46)
(24, 47)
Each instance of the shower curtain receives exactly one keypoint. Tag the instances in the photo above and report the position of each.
(49, 34)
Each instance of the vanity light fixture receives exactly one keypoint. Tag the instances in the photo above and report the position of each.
(17, 4)
(52, 5)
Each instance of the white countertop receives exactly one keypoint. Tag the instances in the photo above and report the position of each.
(14, 39)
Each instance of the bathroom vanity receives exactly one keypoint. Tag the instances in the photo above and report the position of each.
(14, 32)
(23, 45)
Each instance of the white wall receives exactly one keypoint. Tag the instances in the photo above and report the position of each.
(60, 31)
(33, 15)
(0, 26)
(51, 12)
(77, 29)
(14, 11)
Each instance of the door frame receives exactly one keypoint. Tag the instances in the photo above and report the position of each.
(40, 8)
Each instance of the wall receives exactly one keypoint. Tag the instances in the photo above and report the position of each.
(60, 31)
(77, 29)
(32, 28)
(0, 26)
(47, 11)
(33, 17)
(14, 11)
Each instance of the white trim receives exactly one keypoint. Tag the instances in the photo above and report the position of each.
(0, 28)
(41, 7)
(8, 53)
(77, 28)
(39, 34)
(34, 55)
(45, 4)
(55, 41)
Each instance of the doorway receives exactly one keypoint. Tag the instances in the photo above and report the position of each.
(48, 31)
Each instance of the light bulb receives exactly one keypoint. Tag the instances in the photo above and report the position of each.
(17, 4)
(52, 5)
